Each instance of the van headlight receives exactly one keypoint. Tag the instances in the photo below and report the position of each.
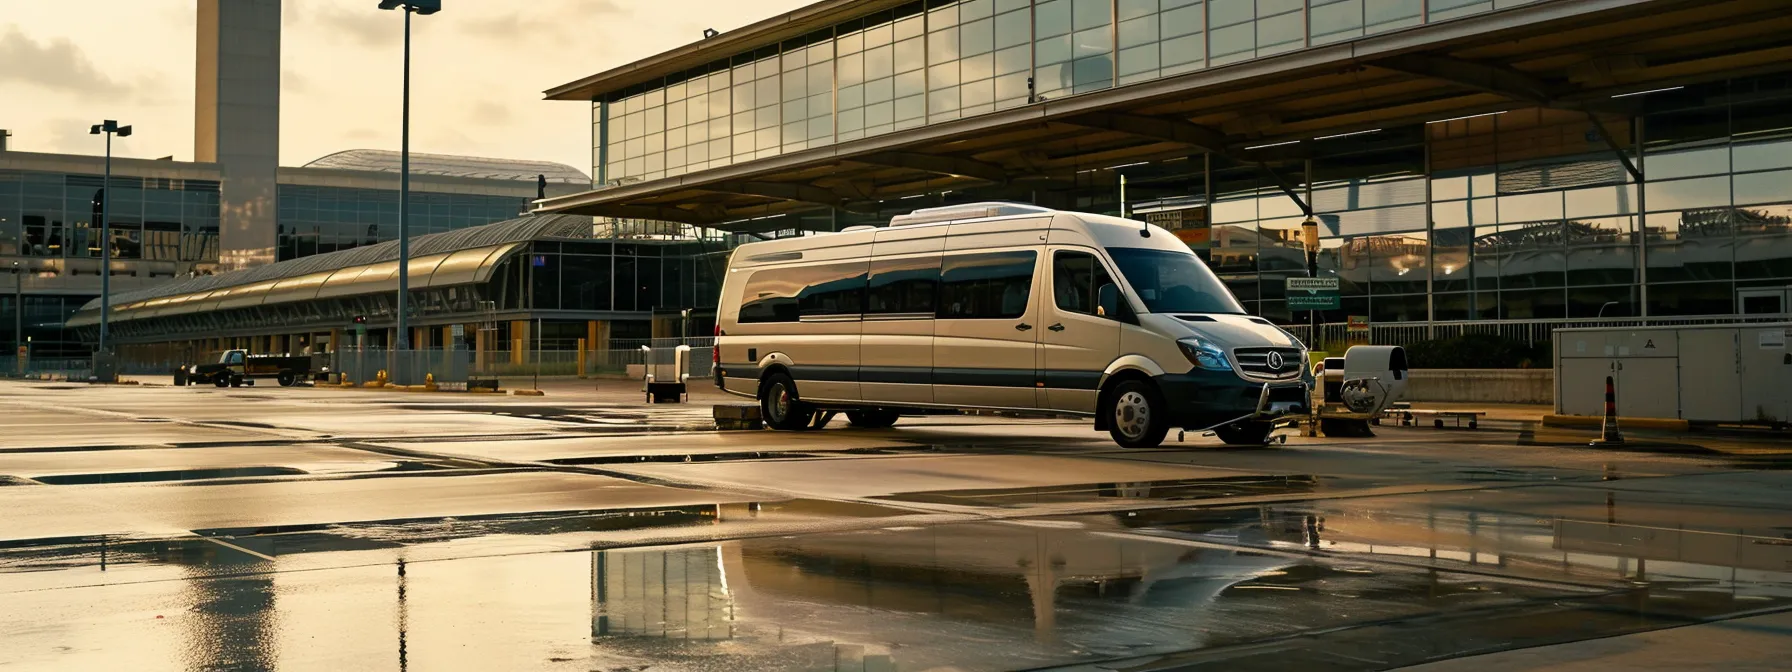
(1204, 355)
(193, 369)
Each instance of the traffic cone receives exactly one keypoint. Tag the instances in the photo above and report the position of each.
(1608, 429)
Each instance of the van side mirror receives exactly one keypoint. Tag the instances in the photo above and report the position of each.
(1107, 301)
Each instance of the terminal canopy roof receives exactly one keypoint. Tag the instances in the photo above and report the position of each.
(462, 257)
(1579, 57)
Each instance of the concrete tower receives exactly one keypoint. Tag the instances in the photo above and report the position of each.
(237, 122)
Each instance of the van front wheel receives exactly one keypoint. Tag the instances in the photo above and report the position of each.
(1136, 415)
(779, 406)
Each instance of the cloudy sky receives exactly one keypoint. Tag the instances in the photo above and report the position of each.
(478, 71)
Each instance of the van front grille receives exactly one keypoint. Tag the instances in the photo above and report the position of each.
(1256, 362)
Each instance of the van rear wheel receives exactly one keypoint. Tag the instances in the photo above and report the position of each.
(872, 418)
(1136, 415)
(287, 379)
(779, 405)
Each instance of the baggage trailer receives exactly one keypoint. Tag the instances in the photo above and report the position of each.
(236, 368)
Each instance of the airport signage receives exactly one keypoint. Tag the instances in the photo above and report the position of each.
(1312, 293)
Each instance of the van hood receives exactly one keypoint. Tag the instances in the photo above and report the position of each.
(1228, 331)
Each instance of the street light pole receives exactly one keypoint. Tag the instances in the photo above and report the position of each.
(404, 197)
(404, 171)
(18, 308)
(109, 128)
(1309, 237)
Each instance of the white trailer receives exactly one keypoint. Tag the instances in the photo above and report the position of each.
(1716, 373)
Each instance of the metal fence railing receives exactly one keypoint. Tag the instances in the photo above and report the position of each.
(402, 367)
(1531, 332)
(70, 368)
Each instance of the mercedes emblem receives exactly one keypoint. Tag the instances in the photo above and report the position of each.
(1275, 361)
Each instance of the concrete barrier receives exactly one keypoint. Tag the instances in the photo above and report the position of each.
(1492, 386)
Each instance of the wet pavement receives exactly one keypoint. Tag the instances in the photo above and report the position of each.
(188, 528)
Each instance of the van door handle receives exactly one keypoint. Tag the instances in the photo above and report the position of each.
(1023, 327)
(1057, 327)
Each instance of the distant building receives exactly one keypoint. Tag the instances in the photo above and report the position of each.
(232, 208)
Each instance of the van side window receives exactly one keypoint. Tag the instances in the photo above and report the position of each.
(1077, 279)
(903, 286)
(993, 285)
(833, 289)
(787, 294)
(234, 359)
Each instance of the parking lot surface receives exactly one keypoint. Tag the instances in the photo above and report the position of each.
(153, 527)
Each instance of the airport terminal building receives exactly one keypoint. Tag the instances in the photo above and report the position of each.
(1468, 161)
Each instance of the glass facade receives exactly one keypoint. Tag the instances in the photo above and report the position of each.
(315, 220)
(1523, 215)
(56, 215)
(46, 218)
(933, 61)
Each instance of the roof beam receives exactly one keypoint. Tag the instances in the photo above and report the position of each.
(1187, 133)
(783, 191)
(1157, 128)
(659, 212)
(954, 166)
(1497, 80)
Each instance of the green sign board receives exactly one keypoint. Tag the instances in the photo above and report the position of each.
(1314, 301)
(1312, 293)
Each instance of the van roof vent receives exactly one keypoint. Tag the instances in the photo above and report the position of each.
(861, 227)
(967, 211)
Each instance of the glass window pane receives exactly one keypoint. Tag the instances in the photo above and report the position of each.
(1093, 73)
(1052, 17)
(942, 46)
(1090, 13)
(1233, 40)
(910, 83)
(1012, 60)
(878, 91)
(943, 16)
(1704, 192)
(1181, 50)
(1095, 42)
(1688, 163)
(976, 38)
(1012, 29)
(880, 62)
(1053, 50)
(909, 55)
(1183, 20)
(941, 76)
(1132, 9)
(978, 93)
(1763, 187)
(977, 67)
(1138, 31)
(1138, 59)
(1229, 12)
(1757, 156)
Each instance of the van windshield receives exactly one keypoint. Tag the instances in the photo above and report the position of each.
(1174, 282)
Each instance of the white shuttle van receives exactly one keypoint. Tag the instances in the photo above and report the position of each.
(1002, 306)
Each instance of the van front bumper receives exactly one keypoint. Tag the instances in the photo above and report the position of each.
(1203, 399)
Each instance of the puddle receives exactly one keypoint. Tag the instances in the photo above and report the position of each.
(177, 475)
(1170, 490)
(1093, 591)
